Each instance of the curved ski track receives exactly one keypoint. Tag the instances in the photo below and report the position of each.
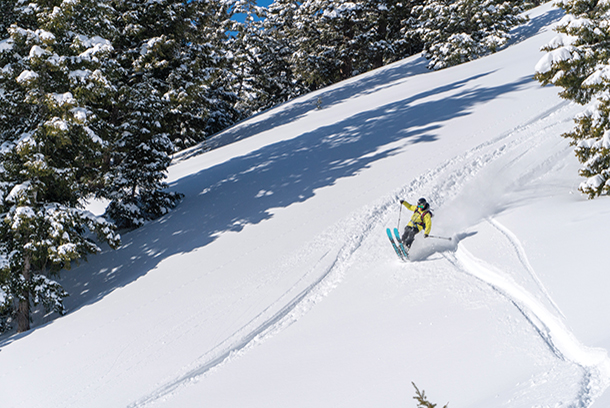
(346, 237)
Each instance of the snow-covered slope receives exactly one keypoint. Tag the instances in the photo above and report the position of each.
(273, 284)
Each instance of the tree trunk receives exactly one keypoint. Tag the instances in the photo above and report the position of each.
(23, 311)
(346, 68)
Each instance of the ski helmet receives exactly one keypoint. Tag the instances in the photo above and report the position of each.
(422, 201)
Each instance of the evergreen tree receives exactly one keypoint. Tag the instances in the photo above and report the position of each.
(392, 35)
(6, 45)
(457, 31)
(214, 65)
(328, 41)
(291, 48)
(578, 61)
(334, 40)
(141, 146)
(53, 70)
(245, 44)
(263, 48)
(177, 88)
(182, 48)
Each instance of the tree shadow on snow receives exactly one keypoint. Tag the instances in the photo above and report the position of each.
(243, 190)
(327, 97)
(534, 25)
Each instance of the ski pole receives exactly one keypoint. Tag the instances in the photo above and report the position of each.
(399, 214)
(437, 237)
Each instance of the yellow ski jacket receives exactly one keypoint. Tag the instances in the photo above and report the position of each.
(422, 219)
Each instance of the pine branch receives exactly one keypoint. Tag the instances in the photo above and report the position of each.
(422, 401)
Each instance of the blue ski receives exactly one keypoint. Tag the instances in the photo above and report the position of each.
(405, 253)
(396, 249)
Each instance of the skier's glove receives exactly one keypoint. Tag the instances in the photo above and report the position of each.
(425, 235)
(402, 201)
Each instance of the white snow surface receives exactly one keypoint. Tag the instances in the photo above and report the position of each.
(273, 283)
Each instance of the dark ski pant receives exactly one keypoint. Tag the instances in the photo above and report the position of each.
(409, 235)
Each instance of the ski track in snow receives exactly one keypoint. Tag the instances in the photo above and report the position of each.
(346, 237)
(562, 342)
(516, 244)
(595, 363)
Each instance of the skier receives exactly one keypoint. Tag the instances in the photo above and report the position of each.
(420, 220)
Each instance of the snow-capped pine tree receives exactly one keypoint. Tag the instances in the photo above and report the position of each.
(578, 60)
(291, 47)
(213, 65)
(328, 34)
(245, 43)
(263, 48)
(141, 147)
(139, 159)
(390, 36)
(334, 40)
(53, 66)
(457, 31)
(6, 19)
(177, 89)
